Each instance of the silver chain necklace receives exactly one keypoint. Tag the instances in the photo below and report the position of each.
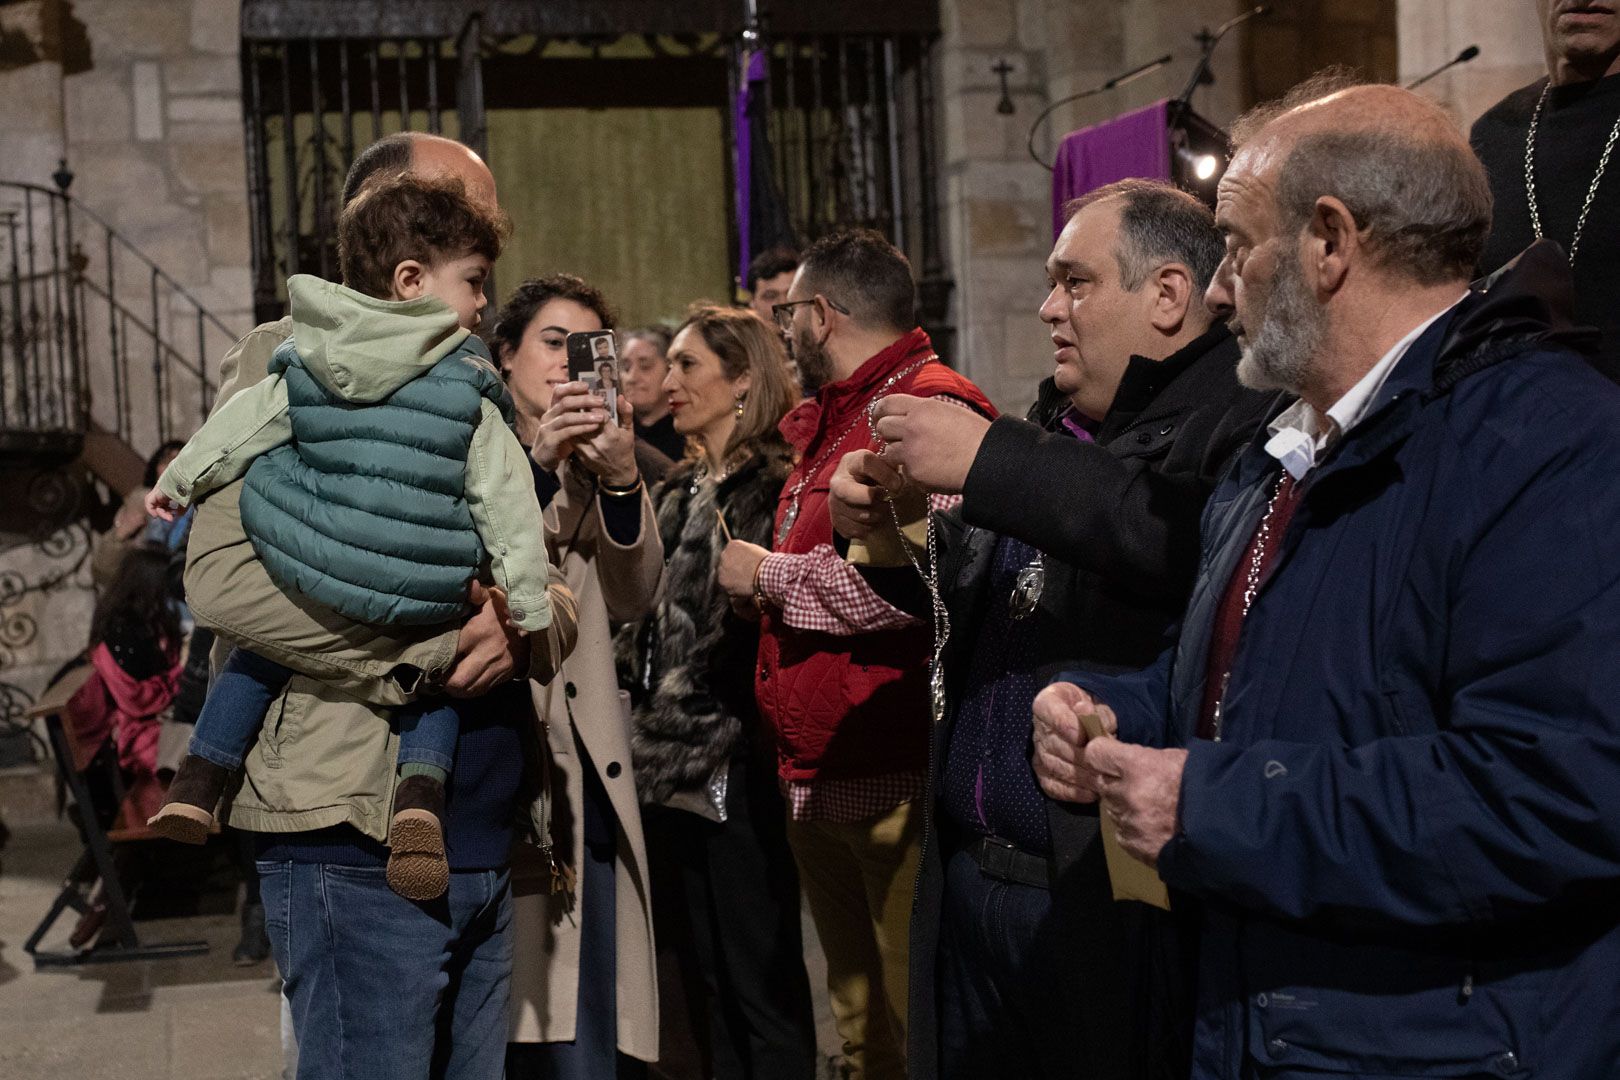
(1257, 563)
(1251, 586)
(936, 599)
(1530, 174)
(792, 514)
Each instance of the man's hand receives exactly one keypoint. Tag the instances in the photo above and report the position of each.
(490, 651)
(159, 505)
(933, 440)
(1060, 742)
(1141, 793)
(860, 491)
(739, 561)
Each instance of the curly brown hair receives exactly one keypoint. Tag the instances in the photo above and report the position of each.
(427, 218)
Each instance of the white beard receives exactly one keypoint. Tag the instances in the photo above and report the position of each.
(1280, 352)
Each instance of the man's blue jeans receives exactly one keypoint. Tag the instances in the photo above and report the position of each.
(382, 988)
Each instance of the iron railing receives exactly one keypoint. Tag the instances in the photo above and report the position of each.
(852, 133)
(851, 115)
(95, 334)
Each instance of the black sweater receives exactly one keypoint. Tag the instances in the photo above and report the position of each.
(1575, 125)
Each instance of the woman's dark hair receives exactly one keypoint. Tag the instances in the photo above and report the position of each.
(138, 601)
(150, 477)
(528, 298)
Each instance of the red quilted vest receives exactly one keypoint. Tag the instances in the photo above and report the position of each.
(856, 706)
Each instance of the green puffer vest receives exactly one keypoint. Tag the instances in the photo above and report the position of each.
(364, 512)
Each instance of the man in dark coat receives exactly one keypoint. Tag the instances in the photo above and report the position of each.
(1067, 549)
(1382, 760)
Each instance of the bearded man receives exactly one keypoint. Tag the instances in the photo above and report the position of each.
(1379, 765)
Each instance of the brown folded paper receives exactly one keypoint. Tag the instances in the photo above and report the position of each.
(1131, 879)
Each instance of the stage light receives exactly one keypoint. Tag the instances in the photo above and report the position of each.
(1198, 162)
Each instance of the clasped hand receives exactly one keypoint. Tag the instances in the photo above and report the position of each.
(1139, 787)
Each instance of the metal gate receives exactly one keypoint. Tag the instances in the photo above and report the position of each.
(850, 116)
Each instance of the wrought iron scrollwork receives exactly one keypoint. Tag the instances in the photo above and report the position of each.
(69, 551)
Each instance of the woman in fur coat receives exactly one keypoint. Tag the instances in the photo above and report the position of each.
(704, 770)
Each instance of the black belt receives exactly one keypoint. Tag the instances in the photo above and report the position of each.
(999, 859)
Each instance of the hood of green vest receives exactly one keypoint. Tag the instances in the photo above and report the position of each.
(362, 348)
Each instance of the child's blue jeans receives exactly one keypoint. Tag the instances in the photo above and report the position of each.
(248, 683)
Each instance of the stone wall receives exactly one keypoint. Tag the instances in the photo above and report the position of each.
(154, 134)
(143, 99)
(998, 200)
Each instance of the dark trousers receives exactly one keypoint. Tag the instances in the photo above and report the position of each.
(1015, 975)
(594, 1054)
(741, 894)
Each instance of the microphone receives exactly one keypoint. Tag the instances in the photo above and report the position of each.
(1461, 58)
(1117, 81)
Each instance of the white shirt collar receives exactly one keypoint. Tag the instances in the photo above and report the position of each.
(1300, 435)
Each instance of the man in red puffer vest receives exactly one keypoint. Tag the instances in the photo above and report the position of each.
(842, 678)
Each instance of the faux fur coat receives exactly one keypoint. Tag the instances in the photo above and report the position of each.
(690, 665)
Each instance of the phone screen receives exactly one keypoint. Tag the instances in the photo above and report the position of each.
(593, 359)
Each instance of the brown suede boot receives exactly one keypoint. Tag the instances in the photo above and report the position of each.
(417, 869)
(195, 790)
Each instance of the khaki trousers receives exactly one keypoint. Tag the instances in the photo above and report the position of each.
(858, 879)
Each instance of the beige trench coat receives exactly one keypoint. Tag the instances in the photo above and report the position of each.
(320, 762)
(611, 584)
(326, 752)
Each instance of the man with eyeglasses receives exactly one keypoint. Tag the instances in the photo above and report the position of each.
(842, 677)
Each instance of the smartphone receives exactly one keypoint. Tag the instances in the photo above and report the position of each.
(593, 359)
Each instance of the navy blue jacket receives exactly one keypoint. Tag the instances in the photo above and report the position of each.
(1406, 847)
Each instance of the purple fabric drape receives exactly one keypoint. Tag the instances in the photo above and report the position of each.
(753, 73)
(1133, 145)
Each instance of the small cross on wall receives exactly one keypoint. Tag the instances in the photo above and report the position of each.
(1005, 106)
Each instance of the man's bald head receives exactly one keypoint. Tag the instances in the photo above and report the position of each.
(423, 154)
(1396, 161)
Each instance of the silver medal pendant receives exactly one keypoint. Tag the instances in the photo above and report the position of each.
(786, 527)
(1026, 593)
(936, 691)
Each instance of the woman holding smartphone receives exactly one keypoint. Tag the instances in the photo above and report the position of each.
(583, 981)
(705, 770)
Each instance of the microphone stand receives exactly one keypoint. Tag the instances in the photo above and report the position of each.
(1117, 81)
(1183, 103)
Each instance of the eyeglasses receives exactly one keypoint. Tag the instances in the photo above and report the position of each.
(783, 313)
